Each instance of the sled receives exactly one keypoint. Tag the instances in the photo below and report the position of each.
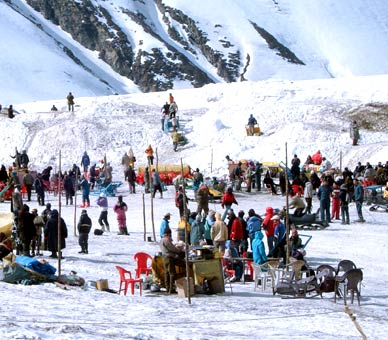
(214, 195)
(307, 221)
(256, 130)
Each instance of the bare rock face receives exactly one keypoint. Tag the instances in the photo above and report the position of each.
(93, 27)
(174, 47)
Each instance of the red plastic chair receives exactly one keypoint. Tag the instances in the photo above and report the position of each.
(126, 279)
(142, 264)
(228, 273)
(248, 268)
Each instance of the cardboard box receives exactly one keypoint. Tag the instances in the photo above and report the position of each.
(181, 285)
(102, 284)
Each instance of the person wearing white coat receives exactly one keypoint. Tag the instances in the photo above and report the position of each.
(308, 196)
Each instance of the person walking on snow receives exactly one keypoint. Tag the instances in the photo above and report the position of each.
(227, 200)
(251, 125)
(102, 202)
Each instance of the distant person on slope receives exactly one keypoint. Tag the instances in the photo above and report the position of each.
(251, 125)
(10, 112)
(354, 132)
(54, 108)
(70, 101)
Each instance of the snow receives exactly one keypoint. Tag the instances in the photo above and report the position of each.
(305, 114)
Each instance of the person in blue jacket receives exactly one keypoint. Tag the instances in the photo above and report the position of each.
(280, 239)
(85, 187)
(358, 198)
(85, 161)
(253, 224)
(324, 193)
(258, 249)
(165, 225)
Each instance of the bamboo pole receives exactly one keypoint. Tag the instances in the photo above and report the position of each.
(186, 236)
(211, 161)
(287, 220)
(144, 219)
(356, 324)
(59, 216)
(75, 204)
(152, 195)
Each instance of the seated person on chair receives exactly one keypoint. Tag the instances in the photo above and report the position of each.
(172, 256)
(236, 265)
(280, 239)
(296, 247)
(269, 183)
(297, 203)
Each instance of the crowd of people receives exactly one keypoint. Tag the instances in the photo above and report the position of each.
(232, 233)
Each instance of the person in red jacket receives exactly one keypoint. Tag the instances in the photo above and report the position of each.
(335, 202)
(317, 158)
(269, 228)
(235, 230)
(227, 200)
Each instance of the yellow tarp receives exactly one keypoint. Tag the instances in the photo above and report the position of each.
(6, 221)
(166, 168)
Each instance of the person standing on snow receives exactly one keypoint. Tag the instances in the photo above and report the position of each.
(359, 199)
(84, 225)
(150, 155)
(70, 101)
(324, 193)
(354, 132)
(85, 161)
(51, 233)
(85, 187)
(125, 162)
(28, 181)
(130, 176)
(120, 209)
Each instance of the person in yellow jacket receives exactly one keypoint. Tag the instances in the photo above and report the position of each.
(175, 139)
(150, 154)
(181, 229)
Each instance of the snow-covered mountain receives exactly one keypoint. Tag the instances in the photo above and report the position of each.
(99, 47)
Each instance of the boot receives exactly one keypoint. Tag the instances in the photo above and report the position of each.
(87, 204)
(86, 250)
(82, 205)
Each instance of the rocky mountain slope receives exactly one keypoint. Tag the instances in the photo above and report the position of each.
(156, 45)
